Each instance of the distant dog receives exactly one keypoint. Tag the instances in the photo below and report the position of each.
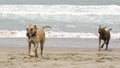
(105, 36)
(35, 36)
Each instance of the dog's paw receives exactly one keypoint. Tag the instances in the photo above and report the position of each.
(28, 57)
(32, 54)
(36, 56)
(105, 49)
(99, 50)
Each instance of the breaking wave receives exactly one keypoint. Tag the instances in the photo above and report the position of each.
(53, 34)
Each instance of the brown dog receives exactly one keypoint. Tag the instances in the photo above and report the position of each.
(35, 36)
(105, 36)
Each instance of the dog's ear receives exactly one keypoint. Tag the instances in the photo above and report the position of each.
(104, 27)
(99, 26)
(35, 26)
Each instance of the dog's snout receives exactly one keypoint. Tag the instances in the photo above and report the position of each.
(28, 32)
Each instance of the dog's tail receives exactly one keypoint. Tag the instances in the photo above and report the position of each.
(109, 29)
(44, 27)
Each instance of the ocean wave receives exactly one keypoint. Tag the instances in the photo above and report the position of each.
(23, 10)
(12, 34)
(53, 34)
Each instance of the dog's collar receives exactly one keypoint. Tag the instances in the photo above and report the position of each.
(34, 34)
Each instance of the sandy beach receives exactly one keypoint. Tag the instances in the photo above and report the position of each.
(16, 57)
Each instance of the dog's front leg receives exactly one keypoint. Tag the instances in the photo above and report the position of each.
(42, 46)
(35, 49)
(103, 44)
(99, 44)
(29, 48)
(107, 45)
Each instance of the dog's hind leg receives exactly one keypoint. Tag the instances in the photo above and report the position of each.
(41, 46)
(99, 44)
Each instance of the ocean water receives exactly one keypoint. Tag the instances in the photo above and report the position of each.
(67, 21)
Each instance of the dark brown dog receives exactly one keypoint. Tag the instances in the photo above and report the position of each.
(105, 36)
(35, 36)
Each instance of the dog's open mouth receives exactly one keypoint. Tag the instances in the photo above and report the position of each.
(32, 34)
(28, 35)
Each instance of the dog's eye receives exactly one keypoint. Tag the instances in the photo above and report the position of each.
(27, 29)
(31, 29)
